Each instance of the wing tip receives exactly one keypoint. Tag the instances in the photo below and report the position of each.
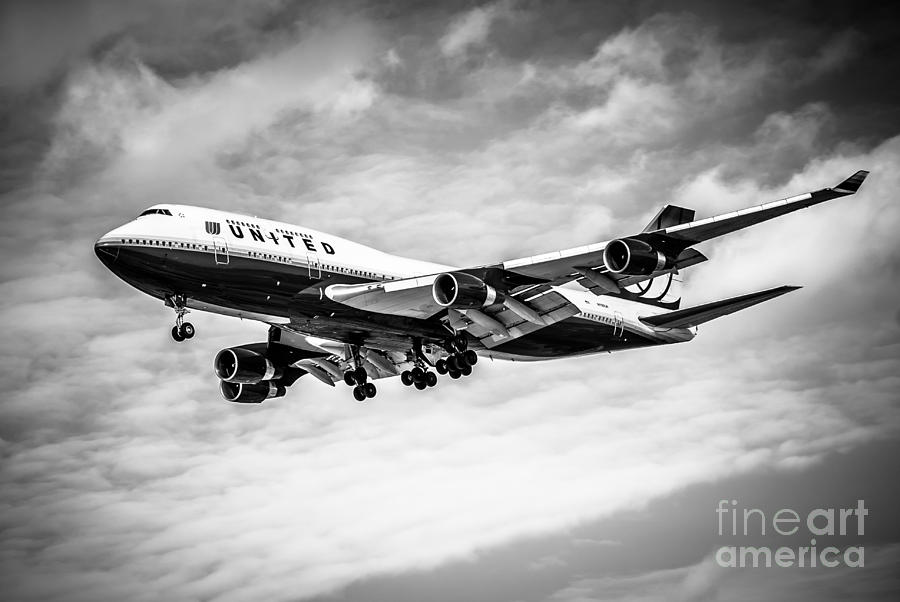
(778, 291)
(852, 184)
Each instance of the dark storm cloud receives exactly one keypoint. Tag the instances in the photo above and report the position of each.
(462, 133)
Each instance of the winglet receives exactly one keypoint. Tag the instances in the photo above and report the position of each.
(852, 184)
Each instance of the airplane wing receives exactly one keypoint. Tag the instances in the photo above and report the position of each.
(516, 297)
(699, 231)
(673, 230)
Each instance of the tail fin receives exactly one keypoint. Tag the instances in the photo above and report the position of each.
(694, 316)
(668, 216)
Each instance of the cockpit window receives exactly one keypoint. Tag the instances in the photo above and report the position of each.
(155, 211)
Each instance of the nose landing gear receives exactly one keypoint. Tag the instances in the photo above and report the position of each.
(182, 330)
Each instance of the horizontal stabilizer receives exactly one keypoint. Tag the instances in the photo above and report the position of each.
(694, 316)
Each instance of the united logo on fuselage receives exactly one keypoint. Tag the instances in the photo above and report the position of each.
(259, 235)
(213, 228)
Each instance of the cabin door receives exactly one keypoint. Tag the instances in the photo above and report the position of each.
(220, 248)
(315, 268)
(618, 325)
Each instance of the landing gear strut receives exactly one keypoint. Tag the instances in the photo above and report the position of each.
(182, 330)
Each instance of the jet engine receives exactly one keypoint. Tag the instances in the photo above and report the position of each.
(245, 366)
(634, 257)
(258, 371)
(462, 291)
(251, 393)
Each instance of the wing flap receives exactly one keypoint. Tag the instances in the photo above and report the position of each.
(550, 305)
(694, 316)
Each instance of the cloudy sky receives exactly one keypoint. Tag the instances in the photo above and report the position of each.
(461, 133)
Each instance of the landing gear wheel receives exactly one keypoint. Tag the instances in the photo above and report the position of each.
(441, 366)
(360, 375)
(466, 370)
(348, 378)
(370, 390)
(176, 334)
(471, 357)
(187, 330)
(452, 364)
(406, 378)
(418, 374)
(430, 379)
(462, 361)
(454, 374)
(420, 385)
(359, 393)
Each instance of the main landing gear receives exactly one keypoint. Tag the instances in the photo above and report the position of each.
(458, 364)
(460, 361)
(182, 330)
(357, 378)
(419, 377)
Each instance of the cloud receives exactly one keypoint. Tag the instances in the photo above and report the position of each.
(124, 475)
(132, 118)
(470, 29)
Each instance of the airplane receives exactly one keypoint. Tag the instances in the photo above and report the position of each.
(344, 312)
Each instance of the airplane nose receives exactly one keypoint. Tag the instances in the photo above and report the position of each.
(107, 246)
(106, 252)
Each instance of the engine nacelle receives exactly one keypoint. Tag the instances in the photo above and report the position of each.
(463, 291)
(251, 393)
(245, 366)
(633, 257)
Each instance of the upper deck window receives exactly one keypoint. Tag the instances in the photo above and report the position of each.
(156, 212)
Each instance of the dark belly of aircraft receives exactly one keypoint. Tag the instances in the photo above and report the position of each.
(291, 291)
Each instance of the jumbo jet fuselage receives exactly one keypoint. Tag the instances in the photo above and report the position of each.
(275, 272)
